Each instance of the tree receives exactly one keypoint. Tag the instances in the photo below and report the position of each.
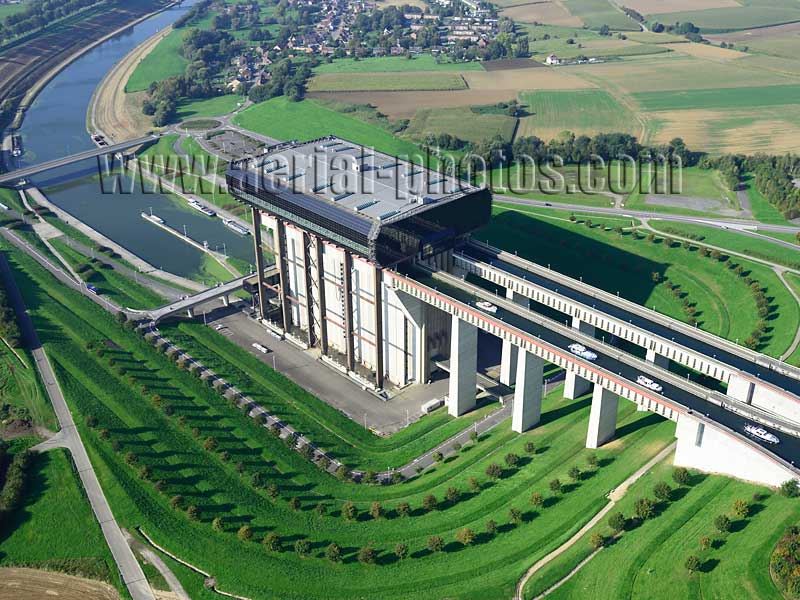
(644, 509)
(465, 536)
(515, 515)
(591, 460)
(494, 471)
(555, 486)
(692, 563)
(438, 457)
(705, 542)
(177, 501)
(245, 533)
(530, 448)
(741, 509)
(376, 510)
(491, 527)
(210, 443)
(403, 509)
(294, 503)
(681, 476)
(273, 491)
(193, 513)
(790, 488)
(452, 494)
(473, 436)
(617, 522)
(511, 460)
(537, 500)
(367, 555)
(321, 509)
(302, 547)
(272, 542)
(597, 540)
(217, 524)
(474, 484)
(574, 473)
(429, 502)
(349, 511)
(342, 473)
(662, 491)
(401, 550)
(435, 543)
(722, 523)
(333, 552)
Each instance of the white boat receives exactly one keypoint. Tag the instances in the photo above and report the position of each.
(154, 218)
(649, 383)
(582, 351)
(234, 226)
(203, 209)
(761, 434)
(487, 306)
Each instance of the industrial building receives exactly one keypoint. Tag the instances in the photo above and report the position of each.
(339, 215)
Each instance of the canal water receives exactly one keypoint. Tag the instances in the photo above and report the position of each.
(55, 126)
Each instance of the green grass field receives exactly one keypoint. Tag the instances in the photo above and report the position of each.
(619, 52)
(6, 10)
(164, 61)
(596, 13)
(647, 561)
(285, 120)
(389, 82)
(719, 98)
(93, 384)
(461, 122)
(386, 64)
(582, 112)
(55, 529)
(208, 107)
(21, 386)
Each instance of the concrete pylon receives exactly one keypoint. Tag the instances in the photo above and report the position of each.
(575, 385)
(463, 367)
(602, 417)
(527, 408)
(508, 357)
(658, 360)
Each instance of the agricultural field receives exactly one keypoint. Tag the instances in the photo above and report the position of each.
(596, 13)
(463, 123)
(581, 112)
(780, 40)
(394, 64)
(646, 560)
(719, 99)
(162, 62)
(551, 12)
(167, 440)
(746, 14)
(387, 82)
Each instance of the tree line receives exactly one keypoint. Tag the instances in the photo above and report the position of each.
(9, 328)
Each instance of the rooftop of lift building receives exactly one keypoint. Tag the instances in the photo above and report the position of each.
(348, 181)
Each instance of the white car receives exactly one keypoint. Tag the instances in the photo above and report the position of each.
(649, 383)
(219, 326)
(487, 306)
(761, 434)
(259, 347)
(582, 351)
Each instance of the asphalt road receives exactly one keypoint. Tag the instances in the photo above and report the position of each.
(68, 437)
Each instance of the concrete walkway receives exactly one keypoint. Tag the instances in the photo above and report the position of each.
(154, 559)
(131, 572)
(614, 496)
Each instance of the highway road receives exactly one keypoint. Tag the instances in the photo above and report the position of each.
(516, 316)
(646, 214)
(638, 319)
(131, 572)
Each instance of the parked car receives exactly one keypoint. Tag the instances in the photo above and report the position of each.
(259, 347)
(582, 351)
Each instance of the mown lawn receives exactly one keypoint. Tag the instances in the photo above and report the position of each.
(55, 528)
(21, 386)
(647, 561)
(208, 107)
(284, 120)
(112, 374)
(164, 61)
